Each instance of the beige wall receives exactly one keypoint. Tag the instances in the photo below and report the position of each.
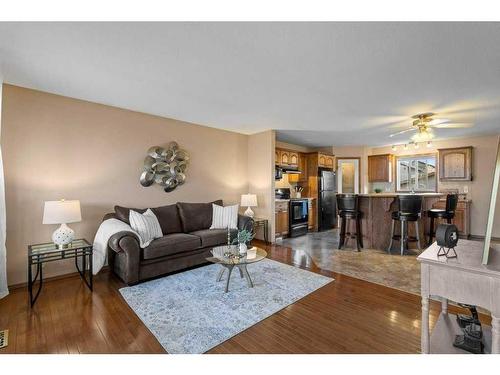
(56, 147)
(484, 154)
(261, 175)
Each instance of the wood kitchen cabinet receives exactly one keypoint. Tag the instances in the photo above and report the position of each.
(281, 219)
(302, 177)
(312, 210)
(462, 216)
(325, 160)
(293, 160)
(286, 157)
(380, 168)
(455, 164)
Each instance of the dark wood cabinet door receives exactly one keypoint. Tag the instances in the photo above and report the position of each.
(302, 167)
(462, 216)
(379, 168)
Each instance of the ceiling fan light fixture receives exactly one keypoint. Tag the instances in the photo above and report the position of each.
(423, 135)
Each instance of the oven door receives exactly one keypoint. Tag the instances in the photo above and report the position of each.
(298, 212)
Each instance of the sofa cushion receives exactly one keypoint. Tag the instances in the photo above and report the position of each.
(196, 216)
(214, 237)
(168, 216)
(171, 244)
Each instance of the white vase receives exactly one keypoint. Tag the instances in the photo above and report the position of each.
(63, 236)
(243, 248)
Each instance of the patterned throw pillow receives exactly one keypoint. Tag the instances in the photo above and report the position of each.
(224, 217)
(146, 225)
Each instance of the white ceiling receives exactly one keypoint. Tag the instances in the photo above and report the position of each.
(318, 84)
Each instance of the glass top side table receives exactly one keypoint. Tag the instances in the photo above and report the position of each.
(261, 223)
(49, 252)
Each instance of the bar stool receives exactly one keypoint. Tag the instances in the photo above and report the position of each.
(410, 207)
(348, 206)
(438, 213)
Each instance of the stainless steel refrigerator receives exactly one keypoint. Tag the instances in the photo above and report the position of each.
(327, 191)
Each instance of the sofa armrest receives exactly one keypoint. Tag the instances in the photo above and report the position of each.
(128, 243)
(245, 222)
(109, 215)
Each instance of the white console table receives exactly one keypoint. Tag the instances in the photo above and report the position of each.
(463, 279)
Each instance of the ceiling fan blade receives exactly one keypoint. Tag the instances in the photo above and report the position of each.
(402, 132)
(438, 121)
(386, 120)
(453, 125)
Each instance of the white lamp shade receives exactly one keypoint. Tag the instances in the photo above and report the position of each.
(249, 200)
(61, 212)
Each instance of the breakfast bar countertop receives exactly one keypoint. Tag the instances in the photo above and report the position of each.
(393, 195)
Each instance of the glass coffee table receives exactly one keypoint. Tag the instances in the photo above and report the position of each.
(229, 257)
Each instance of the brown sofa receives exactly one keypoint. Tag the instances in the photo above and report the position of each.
(186, 242)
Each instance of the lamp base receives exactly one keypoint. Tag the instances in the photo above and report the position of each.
(249, 213)
(63, 236)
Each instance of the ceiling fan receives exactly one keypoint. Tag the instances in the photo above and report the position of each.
(424, 123)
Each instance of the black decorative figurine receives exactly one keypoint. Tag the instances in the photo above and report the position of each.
(447, 236)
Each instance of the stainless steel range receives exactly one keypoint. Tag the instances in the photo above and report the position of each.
(298, 214)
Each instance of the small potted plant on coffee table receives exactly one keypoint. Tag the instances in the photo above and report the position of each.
(242, 238)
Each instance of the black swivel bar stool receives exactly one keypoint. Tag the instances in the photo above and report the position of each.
(348, 206)
(438, 213)
(410, 207)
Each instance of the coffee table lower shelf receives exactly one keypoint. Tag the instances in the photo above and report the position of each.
(444, 332)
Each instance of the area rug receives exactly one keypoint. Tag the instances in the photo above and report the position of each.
(189, 312)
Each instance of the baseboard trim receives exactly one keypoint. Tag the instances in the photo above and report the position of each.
(54, 278)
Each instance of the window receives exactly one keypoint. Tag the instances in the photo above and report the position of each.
(416, 173)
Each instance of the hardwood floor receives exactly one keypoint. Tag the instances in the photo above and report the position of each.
(346, 316)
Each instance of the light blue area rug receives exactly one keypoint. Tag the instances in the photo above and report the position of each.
(189, 312)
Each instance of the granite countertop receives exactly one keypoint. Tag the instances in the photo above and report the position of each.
(393, 195)
(287, 200)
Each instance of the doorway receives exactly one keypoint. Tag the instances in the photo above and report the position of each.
(348, 181)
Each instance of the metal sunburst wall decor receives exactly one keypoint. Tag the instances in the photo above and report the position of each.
(165, 166)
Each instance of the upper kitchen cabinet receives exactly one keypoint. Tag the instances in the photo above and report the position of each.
(325, 160)
(286, 158)
(455, 164)
(303, 168)
(294, 158)
(380, 168)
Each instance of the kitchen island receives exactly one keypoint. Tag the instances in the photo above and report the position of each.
(376, 219)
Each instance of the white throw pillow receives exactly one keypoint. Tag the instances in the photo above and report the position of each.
(224, 217)
(146, 225)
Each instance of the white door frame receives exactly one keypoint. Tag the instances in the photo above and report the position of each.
(356, 173)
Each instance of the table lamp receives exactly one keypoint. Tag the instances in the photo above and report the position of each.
(62, 212)
(249, 200)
